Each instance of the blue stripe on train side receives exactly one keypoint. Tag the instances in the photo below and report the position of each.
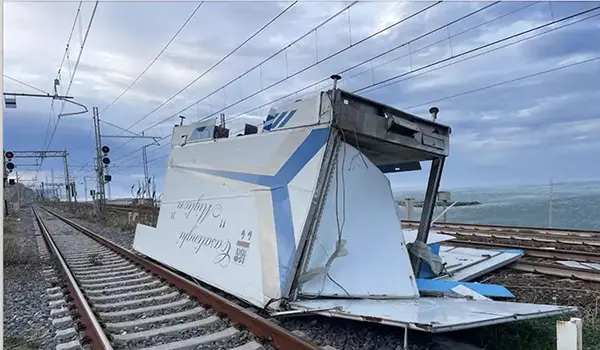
(279, 120)
(278, 184)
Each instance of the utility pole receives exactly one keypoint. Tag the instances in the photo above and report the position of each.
(85, 187)
(146, 188)
(67, 181)
(54, 194)
(550, 205)
(18, 189)
(100, 195)
(102, 161)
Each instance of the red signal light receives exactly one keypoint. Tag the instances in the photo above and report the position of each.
(9, 155)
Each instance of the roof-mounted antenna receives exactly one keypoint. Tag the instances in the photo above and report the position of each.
(434, 112)
(181, 121)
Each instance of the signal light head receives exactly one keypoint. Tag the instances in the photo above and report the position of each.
(106, 160)
(10, 166)
(105, 149)
(9, 155)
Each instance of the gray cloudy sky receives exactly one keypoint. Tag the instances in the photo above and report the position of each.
(517, 115)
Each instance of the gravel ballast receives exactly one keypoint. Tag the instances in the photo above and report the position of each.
(26, 312)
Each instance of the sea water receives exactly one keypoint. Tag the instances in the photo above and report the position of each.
(574, 205)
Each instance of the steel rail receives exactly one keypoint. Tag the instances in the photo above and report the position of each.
(278, 336)
(535, 237)
(536, 252)
(93, 329)
(555, 270)
(489, 227)
(560, 235)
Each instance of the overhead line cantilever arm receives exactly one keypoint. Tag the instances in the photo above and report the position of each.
(74, 113)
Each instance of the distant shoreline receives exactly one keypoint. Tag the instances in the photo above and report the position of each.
(441, 204)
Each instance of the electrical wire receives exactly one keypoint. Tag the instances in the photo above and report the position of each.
(299, 71)
(387, 52)
(72, 76)
(25, 84)
(503, 82)
(479, 54)
(484, 46)
(157, 56)
(211, 68)
(435, 63)
(65, 54)
(507, 82)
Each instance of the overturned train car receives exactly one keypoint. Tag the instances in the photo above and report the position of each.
(299, 214)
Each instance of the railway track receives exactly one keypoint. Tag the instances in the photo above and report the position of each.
(556, 270)
(543, 260)
(127, 302)
(502, 228)
(575, 238)
(537, 252)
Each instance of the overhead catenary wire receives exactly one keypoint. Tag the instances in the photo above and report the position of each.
(64, 57)
(73, 74)
(265, 26)
(296, 73)
(25, 84)
(369, 37)
(155, 58)
(506, 82)
(385, 53)
(245, 73)
(477, 90)
(418, 69)
(485, 45)
(479, 54)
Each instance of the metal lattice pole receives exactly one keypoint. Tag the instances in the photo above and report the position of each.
(146, 178)
(67, 181)
(100, 194)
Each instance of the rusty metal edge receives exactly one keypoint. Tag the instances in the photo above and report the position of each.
(93, 330)
(279, 337)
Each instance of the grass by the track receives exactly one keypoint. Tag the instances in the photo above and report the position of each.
(539, 334)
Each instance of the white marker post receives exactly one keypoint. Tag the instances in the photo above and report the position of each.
(569, 334)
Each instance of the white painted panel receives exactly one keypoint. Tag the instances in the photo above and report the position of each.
(433, 314)
(301, 190)
(465, 264)
(263, 153)
(231, 228)
(375, 245)
(291, 115)
(410, 235)
(213, 239)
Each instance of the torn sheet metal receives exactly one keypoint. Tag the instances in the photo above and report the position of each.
(432, 314)
(468, 292)
(355, 245)
(441, 286)
(465, 264)
(410, 235)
